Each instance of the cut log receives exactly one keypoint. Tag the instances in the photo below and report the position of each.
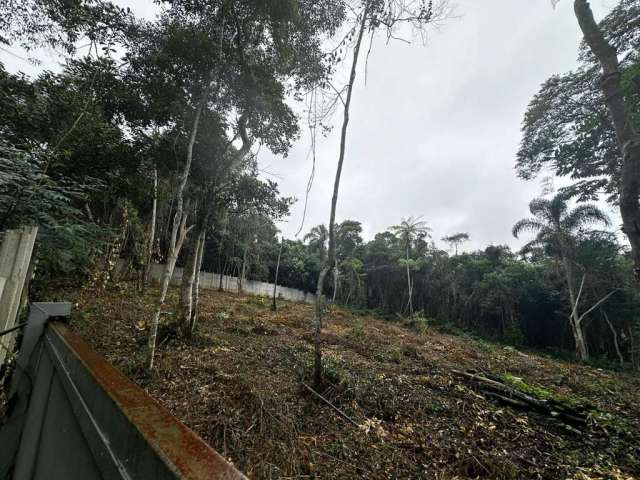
(494, 389)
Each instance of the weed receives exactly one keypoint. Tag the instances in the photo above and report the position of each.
(419, 323)
(395, 354)
(357, 333)
(392, 353)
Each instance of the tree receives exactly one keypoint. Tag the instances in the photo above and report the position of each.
(456, 239)
(585, 123)
(620, 112)
(59, 121)
(369, 16)
(556, 227)
(225, 59)
(600, 254)
(317, 240)
(274, 305)
(351, 268)
(408, 231)
(61, 24)
(68, 242)
(347, 240)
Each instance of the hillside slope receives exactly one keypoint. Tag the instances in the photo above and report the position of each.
(239, 384)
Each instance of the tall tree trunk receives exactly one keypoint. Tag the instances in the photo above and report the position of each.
(221, 279)
(274, 306)
(242, 270)
(615, 337)
(191, 276)
(317, 367)
(409, 285)
(152, 231)
(186, 288)
(627, 137)
(178, 232)
(115, 250)
(317, 334)
(167, 273)
(574, 317)
(222, 267)
(202, 238)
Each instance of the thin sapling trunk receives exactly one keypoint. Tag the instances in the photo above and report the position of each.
(196, 285)
(152, 230)
(178, 232)
(317, 366)
(274, 306)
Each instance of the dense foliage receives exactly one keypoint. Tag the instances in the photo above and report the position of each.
(567, 129)
(521, 299)
(137, 151)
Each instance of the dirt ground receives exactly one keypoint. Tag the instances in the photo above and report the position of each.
(239, 384)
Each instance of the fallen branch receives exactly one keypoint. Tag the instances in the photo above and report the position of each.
(495, 389)
(506, 400)
(336, 409)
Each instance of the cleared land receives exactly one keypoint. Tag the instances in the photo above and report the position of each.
(239, 384)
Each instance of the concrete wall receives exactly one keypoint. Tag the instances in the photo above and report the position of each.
(211, 281)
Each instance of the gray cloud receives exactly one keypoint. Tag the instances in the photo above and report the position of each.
(435, 130)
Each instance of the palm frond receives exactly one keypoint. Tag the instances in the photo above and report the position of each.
(582, 215)
(550, 210)
(539, 207)
(316, 234)
(532, 246)
(410, 227)
(527, 225)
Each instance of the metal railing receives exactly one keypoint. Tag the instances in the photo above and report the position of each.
(74, 416)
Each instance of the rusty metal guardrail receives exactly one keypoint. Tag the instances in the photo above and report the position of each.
(74, 416)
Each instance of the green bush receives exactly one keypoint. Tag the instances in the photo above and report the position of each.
(68, 242)
(419, 322)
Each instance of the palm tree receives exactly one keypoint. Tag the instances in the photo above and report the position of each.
(407, 232)
(318, 237)
(556, 227)
(353, 275)
(347, 239)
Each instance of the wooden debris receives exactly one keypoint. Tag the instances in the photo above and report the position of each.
(574, 417)
(336, 409)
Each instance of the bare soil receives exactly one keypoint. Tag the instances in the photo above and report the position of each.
(239, 384)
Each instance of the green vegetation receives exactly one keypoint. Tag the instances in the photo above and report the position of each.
(173, 175)
(143, 148)
(397, 386)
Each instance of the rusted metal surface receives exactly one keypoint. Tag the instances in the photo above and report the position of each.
(189, 456)
(77, 417)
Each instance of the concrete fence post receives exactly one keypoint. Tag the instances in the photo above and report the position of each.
(15, 258)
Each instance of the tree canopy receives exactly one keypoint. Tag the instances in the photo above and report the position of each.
(567, 129)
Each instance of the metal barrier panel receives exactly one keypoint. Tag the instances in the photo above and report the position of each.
(85, 420)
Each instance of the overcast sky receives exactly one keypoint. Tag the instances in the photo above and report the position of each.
(435, 131)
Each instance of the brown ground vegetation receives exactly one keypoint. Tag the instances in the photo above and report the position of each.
(239, 384)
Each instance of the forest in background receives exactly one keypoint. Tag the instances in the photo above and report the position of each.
(145, 148)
